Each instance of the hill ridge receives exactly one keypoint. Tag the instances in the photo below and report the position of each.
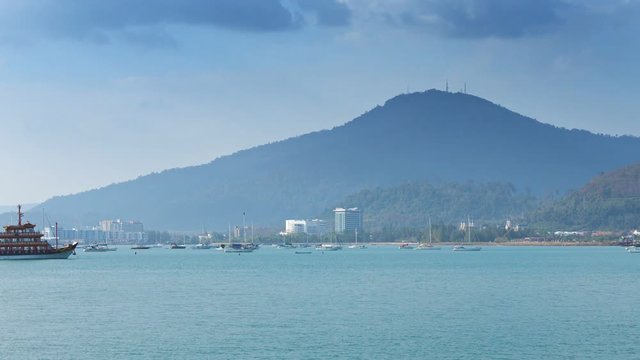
(432, 136)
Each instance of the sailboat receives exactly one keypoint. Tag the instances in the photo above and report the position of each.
(429, 245)
(201, 245)
(243, 247)
(356, 245)
(329, 246)
(467, 248)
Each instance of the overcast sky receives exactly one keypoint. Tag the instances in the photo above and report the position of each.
(94, 92)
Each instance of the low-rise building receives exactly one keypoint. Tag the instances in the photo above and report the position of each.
(311, 227)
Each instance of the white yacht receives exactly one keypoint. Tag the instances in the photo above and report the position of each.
(328, 247)
(468, 247)
(427, 247)
(201, 246)
(99, 248)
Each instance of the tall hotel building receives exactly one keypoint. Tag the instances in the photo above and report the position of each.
(348, 220)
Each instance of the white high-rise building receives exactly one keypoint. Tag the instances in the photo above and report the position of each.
(348, 220)
(295, 227)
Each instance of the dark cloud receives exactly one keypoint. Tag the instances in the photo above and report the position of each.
(327, 12)
(105, 20)
(486, 18)
(82, 17)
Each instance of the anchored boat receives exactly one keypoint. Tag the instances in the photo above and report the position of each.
(467, 248)
(22, 242)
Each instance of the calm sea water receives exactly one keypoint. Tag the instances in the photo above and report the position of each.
(377, 303)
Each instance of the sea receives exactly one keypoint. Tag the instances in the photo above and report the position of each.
(376, 303)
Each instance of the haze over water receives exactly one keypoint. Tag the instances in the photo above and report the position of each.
(377, 303)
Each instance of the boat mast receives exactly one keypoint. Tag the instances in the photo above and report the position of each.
(244, 228)
(56, 234)
(429, 229)
(19, 215)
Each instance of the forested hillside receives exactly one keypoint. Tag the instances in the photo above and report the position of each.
(412, 204)
(609, 201)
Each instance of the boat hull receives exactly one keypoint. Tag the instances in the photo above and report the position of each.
(428, 248)
(475, 248)
(62, 253)
(329, 248)
(240, 248)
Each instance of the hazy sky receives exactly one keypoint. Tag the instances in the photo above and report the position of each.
(94, 92)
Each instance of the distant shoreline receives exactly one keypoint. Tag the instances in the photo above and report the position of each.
(511, 243)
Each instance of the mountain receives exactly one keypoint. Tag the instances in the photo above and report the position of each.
(430, 136)
(412, 204)
(610, 201)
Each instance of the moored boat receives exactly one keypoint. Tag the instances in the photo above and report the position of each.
(240, 248)
(461, 247)
(22, 242)
(356, 245)
(243, 247)
(329, 247)
(99, 248)
(201, 246)
(466, 248)
(429, 245)
(286, 245)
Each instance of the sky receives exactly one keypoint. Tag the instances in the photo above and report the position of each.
(96, 92)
